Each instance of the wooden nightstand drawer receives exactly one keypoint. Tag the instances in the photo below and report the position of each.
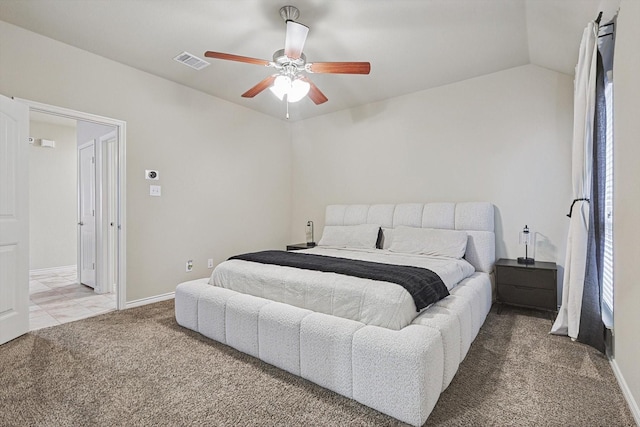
(527, 296)
(532, 285)
(534, 278)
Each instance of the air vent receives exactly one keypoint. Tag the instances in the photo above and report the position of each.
(191, 61)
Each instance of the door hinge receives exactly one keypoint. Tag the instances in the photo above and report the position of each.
(93, 160)
(93, 266)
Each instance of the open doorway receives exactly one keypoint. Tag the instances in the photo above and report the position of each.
(76, 216)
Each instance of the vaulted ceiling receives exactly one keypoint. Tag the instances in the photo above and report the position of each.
(412, 45)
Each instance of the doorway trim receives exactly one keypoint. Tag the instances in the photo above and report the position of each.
(120, 125)
(107, 209)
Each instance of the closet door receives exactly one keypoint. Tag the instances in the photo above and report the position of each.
(87, 213)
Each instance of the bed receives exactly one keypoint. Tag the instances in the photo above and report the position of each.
(333, 333)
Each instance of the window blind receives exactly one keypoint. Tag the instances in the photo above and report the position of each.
(607, 275)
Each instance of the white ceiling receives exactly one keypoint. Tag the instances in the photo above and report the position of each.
(412, 44)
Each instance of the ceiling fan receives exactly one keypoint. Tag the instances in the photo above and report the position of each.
(290, 81)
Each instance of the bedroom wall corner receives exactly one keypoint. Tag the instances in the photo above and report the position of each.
(225, 170)
(504, 138)
(627, 202)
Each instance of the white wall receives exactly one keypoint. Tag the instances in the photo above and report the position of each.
(225, 170)
(52, 197)
(504, 138)
(627, 199)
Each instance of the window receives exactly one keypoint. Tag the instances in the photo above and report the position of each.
(607, 275)
(606, 42)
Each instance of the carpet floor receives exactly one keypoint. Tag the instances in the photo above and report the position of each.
(139, 368)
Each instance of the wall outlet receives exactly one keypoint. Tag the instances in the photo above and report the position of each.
(189, 266)
(210, 263)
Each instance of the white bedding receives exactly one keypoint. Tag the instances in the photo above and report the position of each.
(371, 302)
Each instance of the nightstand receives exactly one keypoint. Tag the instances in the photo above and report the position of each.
(527, 285)
(299, 246)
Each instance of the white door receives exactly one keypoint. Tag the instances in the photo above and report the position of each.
(14, 220)
(87, 213)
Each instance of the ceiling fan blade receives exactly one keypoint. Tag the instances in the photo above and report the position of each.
(340, 67)
(295, 38)
(238, 58)
(265, 83)
(314, 93)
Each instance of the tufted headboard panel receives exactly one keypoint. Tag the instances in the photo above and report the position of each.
(476, 218)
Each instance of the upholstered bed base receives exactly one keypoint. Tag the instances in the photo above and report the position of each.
(400, 373)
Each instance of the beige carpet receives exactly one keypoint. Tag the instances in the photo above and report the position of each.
(138, 367)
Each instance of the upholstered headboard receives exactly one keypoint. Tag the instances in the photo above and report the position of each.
(476, 218)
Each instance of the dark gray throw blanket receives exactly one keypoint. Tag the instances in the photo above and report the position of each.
(424, 285)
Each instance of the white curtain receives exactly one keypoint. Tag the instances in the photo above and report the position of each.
(568, 320)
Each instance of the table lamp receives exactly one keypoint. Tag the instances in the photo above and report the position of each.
(525, 239)
(310, 240)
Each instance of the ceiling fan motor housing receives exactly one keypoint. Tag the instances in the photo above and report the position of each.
(281, 60)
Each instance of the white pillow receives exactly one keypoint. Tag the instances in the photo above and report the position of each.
(350, 236)
(429, 241)
(387, 238)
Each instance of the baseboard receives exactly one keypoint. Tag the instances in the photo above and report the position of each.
(633, 406)
(51, 269)
(150, 300)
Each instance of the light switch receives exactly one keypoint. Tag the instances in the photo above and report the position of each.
(155, 190)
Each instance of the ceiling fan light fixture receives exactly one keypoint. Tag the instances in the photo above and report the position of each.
(294, 89)
(299, 89)
(281, 86)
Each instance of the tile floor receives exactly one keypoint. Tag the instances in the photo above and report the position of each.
(55, 297)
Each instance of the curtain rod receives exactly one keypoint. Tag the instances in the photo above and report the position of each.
(597, 21)
(599, 18)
